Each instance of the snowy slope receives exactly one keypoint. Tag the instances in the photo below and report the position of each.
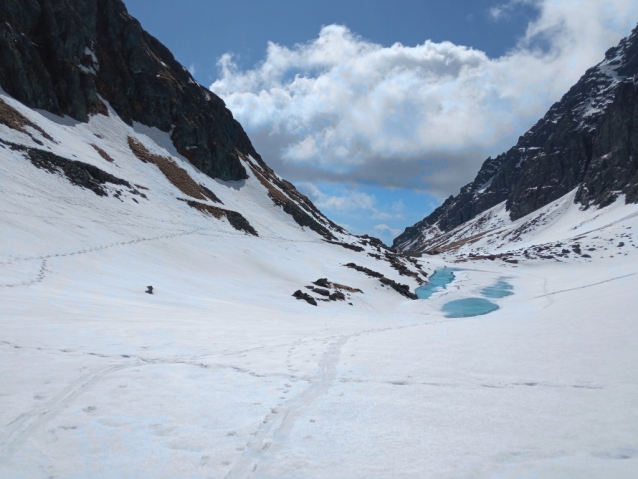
(45, 214)
(560, 232)
(222, 373)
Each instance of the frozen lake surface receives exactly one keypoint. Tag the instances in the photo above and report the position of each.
(468, 307)
(438, 281)
(501, 289)
(465, 307)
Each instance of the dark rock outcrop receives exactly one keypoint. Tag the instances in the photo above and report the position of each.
(285, 195)
(403, 270)
(352, 247)
(305, 297)
(402, 289)
(67, 56)
(588, 140)
(78, 173)
(325, 283)
(374, 242)
(337, 296)
(322, 282)
(236, 219)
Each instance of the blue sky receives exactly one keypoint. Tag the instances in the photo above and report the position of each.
(379, 110)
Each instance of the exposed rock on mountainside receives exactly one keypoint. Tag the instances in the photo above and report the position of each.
(235, 219)
(589, 140)
(403, 289)
(311, 218)
(15, 120)
(69, 56)
(66, 56)
(77, 172)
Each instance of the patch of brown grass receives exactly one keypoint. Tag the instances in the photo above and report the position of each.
(455, 245)
(207, 209)
(102, 153)
(102, 109)
(173, 173)
(15, 120)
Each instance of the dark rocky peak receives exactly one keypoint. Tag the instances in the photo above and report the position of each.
(587, 140)
(71, 57)
(67, 56)
(587, 101)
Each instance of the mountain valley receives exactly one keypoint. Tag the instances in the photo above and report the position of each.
(171, 307)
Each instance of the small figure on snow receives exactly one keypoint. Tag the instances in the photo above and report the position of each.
(149, 290)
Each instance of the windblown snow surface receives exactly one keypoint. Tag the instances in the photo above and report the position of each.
(222, 373)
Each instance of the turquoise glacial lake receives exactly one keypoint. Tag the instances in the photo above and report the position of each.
(437, 282)
(499, 290)
(466, 307)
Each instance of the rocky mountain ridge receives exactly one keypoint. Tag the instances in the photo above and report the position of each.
(588, 140)
(73, 57)
(97, 114)
(68, 57)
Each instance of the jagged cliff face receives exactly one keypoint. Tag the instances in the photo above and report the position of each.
(65, 56)
(588, 140)
(69, 57)
(152, 157)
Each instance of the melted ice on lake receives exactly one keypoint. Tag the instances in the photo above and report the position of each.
(439, 279)
(500, 289)
(467, 307)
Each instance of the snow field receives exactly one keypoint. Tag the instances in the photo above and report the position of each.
(221, 373)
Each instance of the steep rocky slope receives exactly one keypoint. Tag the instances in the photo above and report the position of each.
(71, 57)
(96, 113)
(67, 56)
(588, 140)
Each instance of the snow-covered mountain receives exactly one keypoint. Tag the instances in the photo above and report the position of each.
(587, 141)
(275, 343)
(111, 123)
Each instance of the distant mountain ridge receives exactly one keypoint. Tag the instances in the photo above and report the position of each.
(588, 140)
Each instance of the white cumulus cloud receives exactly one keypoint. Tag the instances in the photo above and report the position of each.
(351, 201)
(383, 228)
(346, 106)
(346, 202)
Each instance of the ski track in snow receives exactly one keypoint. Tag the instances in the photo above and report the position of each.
(27, 424)
(282, 419)
(37, 279)
(276, 426)
(43, 269)
(98, 248)
(585, 286)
